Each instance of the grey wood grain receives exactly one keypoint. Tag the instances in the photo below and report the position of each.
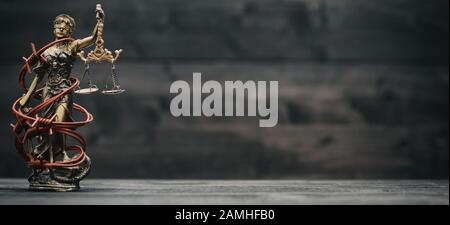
(240, 192)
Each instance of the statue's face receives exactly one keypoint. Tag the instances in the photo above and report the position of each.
(61, 29)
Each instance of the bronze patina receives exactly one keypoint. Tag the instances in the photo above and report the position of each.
(43, 130)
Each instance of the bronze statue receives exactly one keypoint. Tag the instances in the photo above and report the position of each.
(42, 130)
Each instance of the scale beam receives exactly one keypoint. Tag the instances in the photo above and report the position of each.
(98, 55)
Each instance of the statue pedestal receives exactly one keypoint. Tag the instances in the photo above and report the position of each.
(61, 179)
(54, 186)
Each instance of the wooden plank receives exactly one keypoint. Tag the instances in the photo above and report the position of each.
(239, 192)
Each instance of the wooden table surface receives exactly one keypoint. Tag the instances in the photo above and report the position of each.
(240, 192)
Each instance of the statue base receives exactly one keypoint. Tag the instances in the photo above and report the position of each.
(60, 187)
(46, 180)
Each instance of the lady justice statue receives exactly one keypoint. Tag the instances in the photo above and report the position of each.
(44, 128)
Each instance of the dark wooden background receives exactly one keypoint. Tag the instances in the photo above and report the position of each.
(364, 86)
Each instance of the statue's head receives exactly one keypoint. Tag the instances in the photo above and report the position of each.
(63, 26)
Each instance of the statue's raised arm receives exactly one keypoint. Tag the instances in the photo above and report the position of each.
(79, 44)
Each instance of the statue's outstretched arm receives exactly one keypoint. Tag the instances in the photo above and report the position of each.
(80, 44)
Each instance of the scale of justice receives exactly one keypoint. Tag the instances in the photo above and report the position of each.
(100, 54)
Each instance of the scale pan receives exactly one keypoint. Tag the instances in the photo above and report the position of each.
(113, 91)
(86, 91)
